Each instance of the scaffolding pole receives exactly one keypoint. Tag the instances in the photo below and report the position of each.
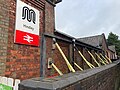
(65, 58)
(88, 63)
(94, 58)
(60, 73)
(108, 59)
(104, 58)
(100, 59)
(78, 66)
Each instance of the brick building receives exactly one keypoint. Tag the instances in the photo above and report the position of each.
(22, 61)
(112, 52)
(100, 42)
(17, 60)
(26, 61)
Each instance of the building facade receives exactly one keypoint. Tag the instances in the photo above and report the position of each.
(17, 60)
(22, 61)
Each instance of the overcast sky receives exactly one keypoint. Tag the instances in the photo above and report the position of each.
(81, 18)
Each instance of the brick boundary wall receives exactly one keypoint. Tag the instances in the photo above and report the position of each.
(101, 78)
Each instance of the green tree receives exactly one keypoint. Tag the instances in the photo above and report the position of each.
(118, 47)
(113, 39)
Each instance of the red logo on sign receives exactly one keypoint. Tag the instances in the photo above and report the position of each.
(27, 38)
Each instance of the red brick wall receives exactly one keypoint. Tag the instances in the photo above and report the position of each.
(48, 55)
(87, 56)
(54, 53)
(23, 61)
(58, 59)
(93, 62)
(4, 25)
(49, 29)
(49, 18)
(78, 59)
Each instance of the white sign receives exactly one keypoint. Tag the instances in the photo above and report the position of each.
(27, 24)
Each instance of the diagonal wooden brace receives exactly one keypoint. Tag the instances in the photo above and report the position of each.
(65, 58)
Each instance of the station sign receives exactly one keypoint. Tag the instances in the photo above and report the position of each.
(27, 25)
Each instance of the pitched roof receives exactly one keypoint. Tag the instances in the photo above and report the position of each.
(112, 48)
(92, 40)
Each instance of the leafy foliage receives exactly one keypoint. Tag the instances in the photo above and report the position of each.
(113, 39)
